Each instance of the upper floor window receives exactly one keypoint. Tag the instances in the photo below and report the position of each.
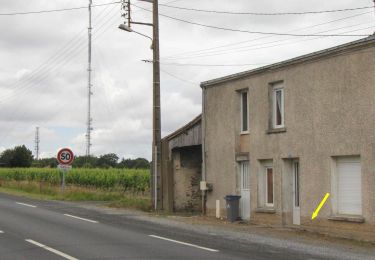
(244, 112)
(278, 106)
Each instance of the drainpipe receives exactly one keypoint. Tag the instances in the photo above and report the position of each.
(203, 148)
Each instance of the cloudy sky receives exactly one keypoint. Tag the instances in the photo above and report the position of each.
(43, 64)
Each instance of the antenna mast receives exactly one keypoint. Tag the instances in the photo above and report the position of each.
(37, 141)
(89, 92)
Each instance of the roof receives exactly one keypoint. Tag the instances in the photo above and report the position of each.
(195, 121)
(351, 46)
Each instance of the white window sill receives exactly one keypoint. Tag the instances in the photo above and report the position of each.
(268, 210)
(245, 133)
(347, 218)
(276, 130)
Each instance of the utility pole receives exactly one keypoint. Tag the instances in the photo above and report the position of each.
(156, 145)
(37, 141)
(156, 115)
(89, 92)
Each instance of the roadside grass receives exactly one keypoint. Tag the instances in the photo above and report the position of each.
(111, 197)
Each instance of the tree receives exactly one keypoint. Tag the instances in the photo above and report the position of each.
(19, 156)
(107, 160)
(84, 161)
(6, 157)
(22, 157)
(139, 163)
(45, 162)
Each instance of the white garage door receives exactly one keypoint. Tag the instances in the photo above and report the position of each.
(349, 186)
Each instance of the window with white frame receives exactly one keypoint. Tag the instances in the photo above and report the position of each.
(269, 186)
(277, 105)
(347, 186)
(266, 185)
(244, 112)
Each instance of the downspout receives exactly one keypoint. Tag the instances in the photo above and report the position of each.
(203, 148)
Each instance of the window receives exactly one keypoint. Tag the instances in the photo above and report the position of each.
(296, 184)
(347, 187)
(266, 185)
(278, 106)
(269, 186)
(244, 112)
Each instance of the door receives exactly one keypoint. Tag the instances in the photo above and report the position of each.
(296, 198)
(245, 190)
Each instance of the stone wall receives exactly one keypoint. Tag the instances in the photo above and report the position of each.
(187, 164)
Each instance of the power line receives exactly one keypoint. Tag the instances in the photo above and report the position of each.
(254, 32)
(264, 13)
(72, 52)
(206, 65)
(266, 47)
(208, 50)
(262, 44)
(76, 43)
(56, 10)
(181, 79)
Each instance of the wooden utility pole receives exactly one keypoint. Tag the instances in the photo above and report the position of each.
(156, 115)
(156, 142)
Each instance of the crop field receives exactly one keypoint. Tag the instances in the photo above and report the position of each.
(126, 180)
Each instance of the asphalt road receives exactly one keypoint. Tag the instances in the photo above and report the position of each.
(32, 229)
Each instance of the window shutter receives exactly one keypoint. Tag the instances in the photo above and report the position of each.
(349, 187)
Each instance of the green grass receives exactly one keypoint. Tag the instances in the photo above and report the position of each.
(117, 187)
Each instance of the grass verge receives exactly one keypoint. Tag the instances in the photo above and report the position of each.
(43, 191)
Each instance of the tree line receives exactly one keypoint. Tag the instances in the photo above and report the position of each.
(21, 156)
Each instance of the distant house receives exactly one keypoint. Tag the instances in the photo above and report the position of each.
(284, 135)
(181, 168)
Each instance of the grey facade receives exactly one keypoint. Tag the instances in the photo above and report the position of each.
(309, 130)
(181, 168)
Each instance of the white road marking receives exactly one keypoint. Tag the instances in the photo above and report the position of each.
(85, 219)
(1, 232)
(27, 205)
(57, 252)
(186, 244)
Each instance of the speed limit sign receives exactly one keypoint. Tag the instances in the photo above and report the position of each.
(65, 156)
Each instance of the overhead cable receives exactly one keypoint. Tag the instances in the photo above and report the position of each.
(264, 13)
(262, 37)
(254, 32)
(56, 10)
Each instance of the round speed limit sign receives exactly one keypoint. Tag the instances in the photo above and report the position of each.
(65, 156)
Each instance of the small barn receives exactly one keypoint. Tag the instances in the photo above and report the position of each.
(181, 168)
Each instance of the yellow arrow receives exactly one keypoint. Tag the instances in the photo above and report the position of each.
(315, 213)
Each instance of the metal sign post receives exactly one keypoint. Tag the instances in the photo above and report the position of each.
(65, 158)
(64, 169)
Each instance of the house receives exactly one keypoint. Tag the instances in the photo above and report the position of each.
(284, 135)
(181, 165)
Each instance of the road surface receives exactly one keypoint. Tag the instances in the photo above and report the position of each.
(32, 229)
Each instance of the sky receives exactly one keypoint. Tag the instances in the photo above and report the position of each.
(43, 64)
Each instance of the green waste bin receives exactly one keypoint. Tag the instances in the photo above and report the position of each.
(233, 207)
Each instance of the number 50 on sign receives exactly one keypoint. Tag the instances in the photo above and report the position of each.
(65, 156)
